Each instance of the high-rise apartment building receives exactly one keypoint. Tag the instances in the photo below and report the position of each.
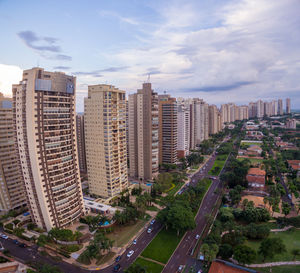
(213, 120)
(167, 109)
(12, 191)
(81, 143)
(183, 130)
(199, 122)
(45, 124)
(288, 106)
(280, 107)
(143, 133)
(105, 140)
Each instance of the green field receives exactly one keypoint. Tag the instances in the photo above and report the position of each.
(290, 238)
(175, 189)
(218, 165)
(253, 160)
(122, 234)
(162, 246)
(280, 269)
(251, 143)
(150, 266)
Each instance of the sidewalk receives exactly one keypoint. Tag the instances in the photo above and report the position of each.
(273, 264)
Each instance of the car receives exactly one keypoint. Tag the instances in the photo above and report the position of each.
(197, 236)
(22, 245)
(4, 236)
(180, 268)
(199, 271)
(134, 241)
(152, 222)
(16, 242)
(149, 230)
(118, 258)
(117, 267)
(130, 253)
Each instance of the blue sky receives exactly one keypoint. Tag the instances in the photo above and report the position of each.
(218, 50)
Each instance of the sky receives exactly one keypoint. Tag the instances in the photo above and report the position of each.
(219, 50)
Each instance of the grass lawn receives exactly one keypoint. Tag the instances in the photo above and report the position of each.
(150, 266)
(290, 238)
(248, 143)
(162, 246)
(280, 269)
(122, 234)
(152, 208)
(175, 189)
(219, 162)
(253, 160)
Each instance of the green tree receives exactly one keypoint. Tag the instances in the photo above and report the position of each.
(295, 252)
(271, 246)
(285, 208)
(164, 180)
(225, 251)
(244, 254)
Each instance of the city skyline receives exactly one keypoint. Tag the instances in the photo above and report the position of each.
(242, 51)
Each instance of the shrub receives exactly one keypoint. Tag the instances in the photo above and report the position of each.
(9, 226)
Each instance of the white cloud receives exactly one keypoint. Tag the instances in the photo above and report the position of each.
(9, 74)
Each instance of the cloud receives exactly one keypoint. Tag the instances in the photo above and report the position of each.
(45, 46)
(232, 86)
(109, 14)
(62, 67)
(114, 69)
(9, 74)
(94, 74)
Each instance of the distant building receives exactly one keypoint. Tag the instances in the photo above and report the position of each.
(167, 109)
(280, 107)
(291, 124)
(183, 130)
(213, 125)
(143, 133)
(288, 106)
(12, 189)
(105, 140)
(254, 150)
(81, 143)
(45, 118)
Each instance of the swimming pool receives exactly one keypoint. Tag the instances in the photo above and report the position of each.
(106, 223)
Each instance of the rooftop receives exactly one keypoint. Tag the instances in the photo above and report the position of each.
(256, 171)
(220, 266)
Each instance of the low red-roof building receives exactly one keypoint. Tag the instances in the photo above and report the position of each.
(256, 179)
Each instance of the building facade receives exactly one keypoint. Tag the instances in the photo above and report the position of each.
(106, 153)
(143, 133)
(167, 109)
(12, 191)
(183, 130)
(280, 107)
(288, 106)
(45, 126)
(81, 143)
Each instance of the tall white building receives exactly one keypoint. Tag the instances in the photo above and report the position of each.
(183, 130)
(105, 140)
(45, 120)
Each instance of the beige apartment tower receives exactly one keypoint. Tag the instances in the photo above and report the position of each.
(167, 109)
(143, 133)
(12, 191)
(105, 140)
(213, 127)
(288, 106)
(44, 114)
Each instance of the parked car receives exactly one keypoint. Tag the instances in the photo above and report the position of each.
(4, 236)
(130, 253)
(117, 267)
(118, 258)
(16, 242)
(197, 236)
(180, 268)
(152, 222)
(134, 241)
(22, 245)
(149, 230)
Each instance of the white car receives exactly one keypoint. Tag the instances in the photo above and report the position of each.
(134, 241)
(197, 236)
(130, 253)
(4, 236)
(149, 230)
